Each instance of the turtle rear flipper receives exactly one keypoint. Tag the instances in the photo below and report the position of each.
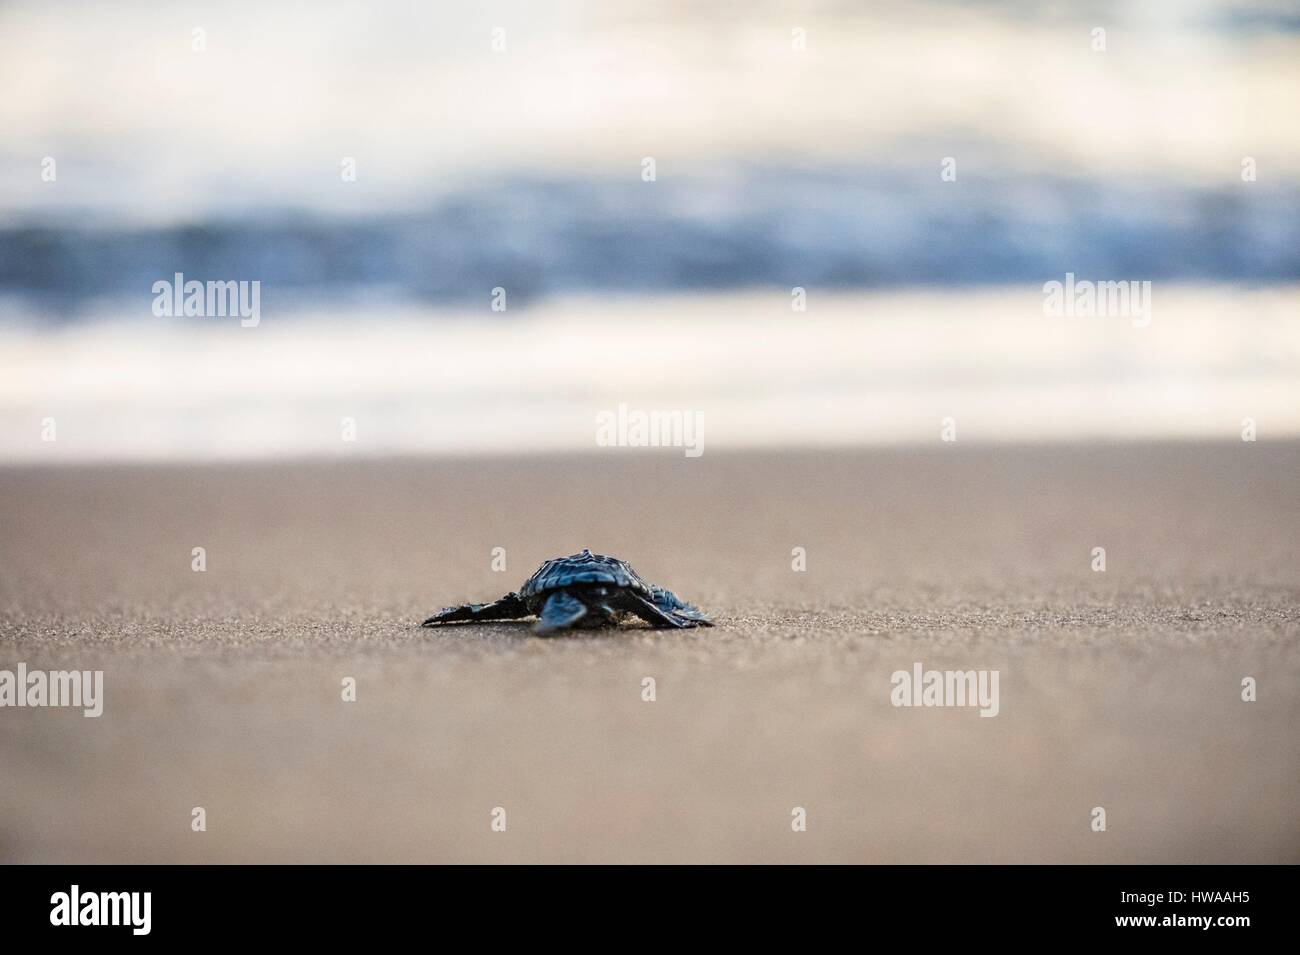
(560, 611)
(509, 607)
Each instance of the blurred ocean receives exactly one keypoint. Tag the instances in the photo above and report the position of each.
(502, 145)
(738, 228)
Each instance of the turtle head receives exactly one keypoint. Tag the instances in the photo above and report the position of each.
(599, 611)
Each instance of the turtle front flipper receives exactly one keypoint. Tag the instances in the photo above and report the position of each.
(560, 612)
(509, 607)
(665, 609)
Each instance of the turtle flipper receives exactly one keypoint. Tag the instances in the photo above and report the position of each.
(509, 607)
(665, 609)
(689, 614)
(560, 611)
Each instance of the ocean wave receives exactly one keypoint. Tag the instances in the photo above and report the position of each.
(743, 229)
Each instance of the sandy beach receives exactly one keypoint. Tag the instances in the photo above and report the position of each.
(1119, 689)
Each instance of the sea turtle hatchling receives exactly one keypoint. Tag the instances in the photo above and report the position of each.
(585, 590)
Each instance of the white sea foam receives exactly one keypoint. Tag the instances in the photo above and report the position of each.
(854, 369)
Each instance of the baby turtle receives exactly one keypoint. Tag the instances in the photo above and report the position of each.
(585, 590)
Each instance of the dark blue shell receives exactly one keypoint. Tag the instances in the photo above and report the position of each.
(584, 568)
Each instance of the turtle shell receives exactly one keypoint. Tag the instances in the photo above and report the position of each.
(584, 568)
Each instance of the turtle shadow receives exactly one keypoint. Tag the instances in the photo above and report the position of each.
(523, 630)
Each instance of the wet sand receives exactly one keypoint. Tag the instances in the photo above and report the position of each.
(1119, 689)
